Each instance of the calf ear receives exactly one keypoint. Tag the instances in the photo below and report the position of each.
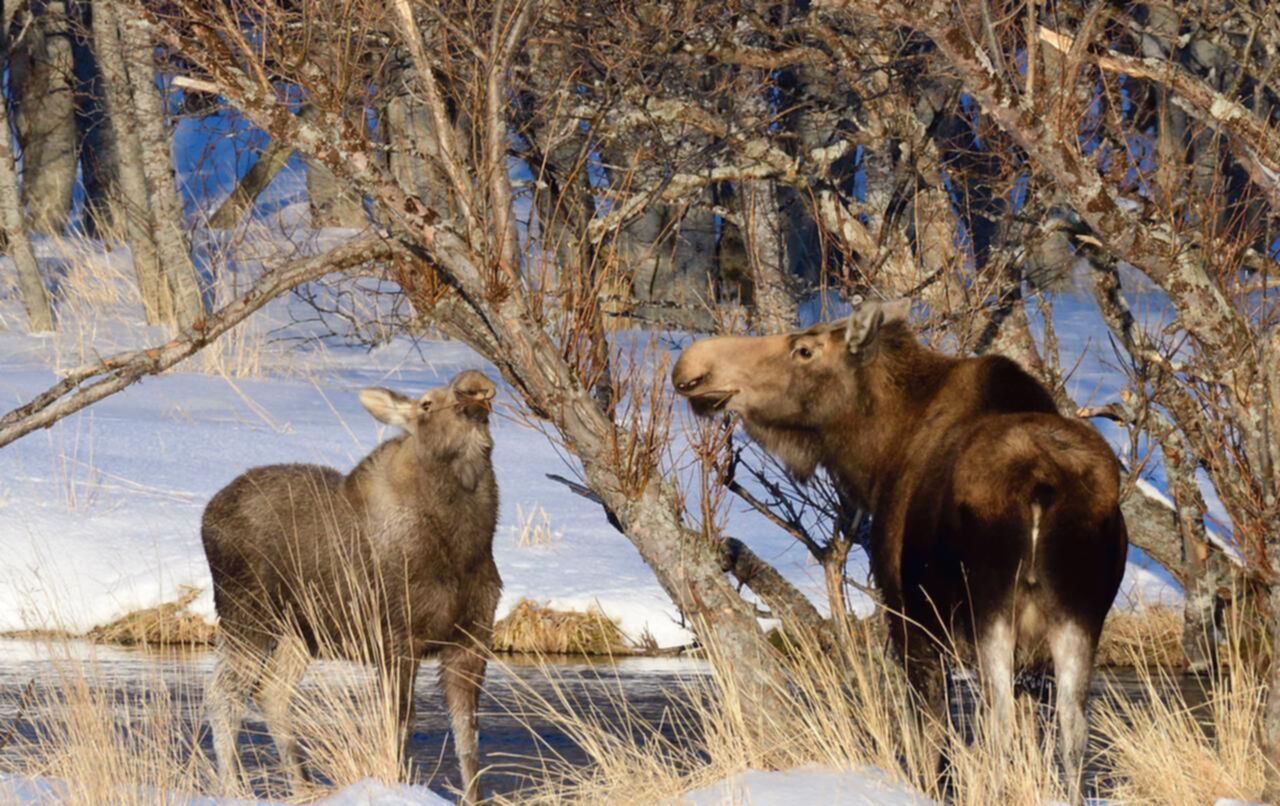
(863, 327)
(390, 407)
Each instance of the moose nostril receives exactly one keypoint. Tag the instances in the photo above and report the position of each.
(690, 383)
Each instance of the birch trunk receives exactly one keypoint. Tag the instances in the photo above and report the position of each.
(46, 122)
(34, 296)
(151, 122)
(765, 236)
(135, 205)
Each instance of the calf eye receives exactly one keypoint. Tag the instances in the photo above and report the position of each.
(425, 405)
(804, 352)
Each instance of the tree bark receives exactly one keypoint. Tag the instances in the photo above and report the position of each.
(35, 298)
(764, 234)
(332, 202)
(46, 121)
(167, 217)
(135, 205)
(96, 140)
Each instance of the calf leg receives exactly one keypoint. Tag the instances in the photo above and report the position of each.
(283, 671)
(1072, 648)
(403, 676)
(996, 646)
(461, 672)
(235, 672)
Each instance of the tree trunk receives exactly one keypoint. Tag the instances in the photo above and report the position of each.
(764, 234)
(34, 295)
(833, 567)
(167, 217)
(134, 201)
(46, 121)
(96, 140)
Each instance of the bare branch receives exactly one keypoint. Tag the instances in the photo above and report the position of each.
(112, 374)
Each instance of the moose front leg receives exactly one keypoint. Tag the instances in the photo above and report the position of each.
(402, 677)
(461, 672)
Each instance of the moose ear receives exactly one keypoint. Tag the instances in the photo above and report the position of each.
(390, 407)
(863, 327)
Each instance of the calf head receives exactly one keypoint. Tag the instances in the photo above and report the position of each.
(792, 388)
(448, 424)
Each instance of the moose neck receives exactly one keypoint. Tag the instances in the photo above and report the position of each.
(867, 441)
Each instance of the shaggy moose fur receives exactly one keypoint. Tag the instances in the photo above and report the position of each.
(996, 521)
(387, 564)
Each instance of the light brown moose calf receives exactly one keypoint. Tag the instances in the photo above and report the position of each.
(996, 521)
(388, 564)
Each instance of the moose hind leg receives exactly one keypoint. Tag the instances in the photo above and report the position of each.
(284, 669)
(1072, 648)
(927, 678)
(234, 674)
(461, 672)
(996, 647)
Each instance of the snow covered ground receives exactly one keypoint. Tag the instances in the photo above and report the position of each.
(808, 785)
(36, 791)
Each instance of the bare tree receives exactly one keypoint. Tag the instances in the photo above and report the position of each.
(43, 79)
(150, 118)
(471, 271)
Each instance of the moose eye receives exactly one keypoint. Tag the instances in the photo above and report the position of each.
(804, 352)
(425, 405)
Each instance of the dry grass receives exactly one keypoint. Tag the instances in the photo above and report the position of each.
(534, 628)
(849, 709)
(1151, 635)
(1169, 748)
(168, 624)
(100, 746)
(533, 528)
(844, 709)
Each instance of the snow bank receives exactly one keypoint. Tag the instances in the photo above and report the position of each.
(14, 789)
(805, 785)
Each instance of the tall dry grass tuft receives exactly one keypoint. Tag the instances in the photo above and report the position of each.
(533, 528)
(1167, 746)
(1153, 632)
(101, 745)
(539, 629)
(345, 716)
(850, 709)
(845, 709)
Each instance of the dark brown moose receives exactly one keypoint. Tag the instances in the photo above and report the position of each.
(996, 521)
(388, 564)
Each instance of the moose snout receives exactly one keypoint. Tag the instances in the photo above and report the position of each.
(689, 372)
(474, 392)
